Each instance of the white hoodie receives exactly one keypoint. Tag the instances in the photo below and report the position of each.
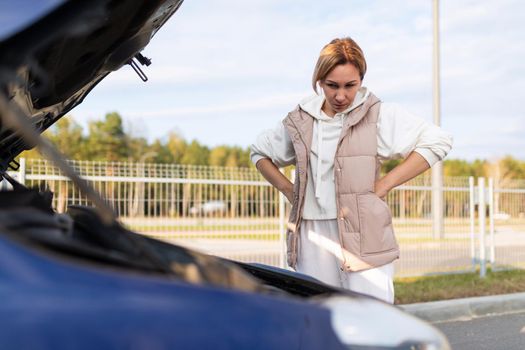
(398, 133)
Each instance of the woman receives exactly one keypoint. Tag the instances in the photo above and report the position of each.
(340, 228)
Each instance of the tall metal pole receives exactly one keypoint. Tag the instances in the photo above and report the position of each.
(437, 169)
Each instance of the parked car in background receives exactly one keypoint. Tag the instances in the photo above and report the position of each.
(501, 216)
(209, 208)
(80, 280)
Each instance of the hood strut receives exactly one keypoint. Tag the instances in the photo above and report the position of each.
(13, 117)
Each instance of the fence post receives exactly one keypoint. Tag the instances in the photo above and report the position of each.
(437, 201)
(491, 223)
(282, 240)
(22, 171)
(472, 220)
(481, 216)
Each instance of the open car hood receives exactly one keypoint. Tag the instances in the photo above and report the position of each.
(49, 66)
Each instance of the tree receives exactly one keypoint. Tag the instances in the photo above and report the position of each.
(457, 167)
(244, 158)
(177, 146)
(219, 155)
(512, 168)
(196, 154)
(138, 148)
(479, 168)
(107, 139)
(66, 135)
(161, 153)
(230, 156)
(504, 171)
(233, 158)
(239, 157)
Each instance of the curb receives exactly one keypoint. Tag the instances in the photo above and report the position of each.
(467, 308)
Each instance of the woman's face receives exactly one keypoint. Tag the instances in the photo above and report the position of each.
(340, 87)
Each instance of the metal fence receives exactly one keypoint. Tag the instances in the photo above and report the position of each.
(422, 251)
(235, 213)
(506, 224)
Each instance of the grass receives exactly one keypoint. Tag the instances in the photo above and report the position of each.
(453, 286)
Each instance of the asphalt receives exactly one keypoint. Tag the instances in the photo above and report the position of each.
(467, 308)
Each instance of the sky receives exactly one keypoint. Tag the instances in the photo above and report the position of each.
(223, 71)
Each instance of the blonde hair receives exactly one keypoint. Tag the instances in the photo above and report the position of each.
(338, 51)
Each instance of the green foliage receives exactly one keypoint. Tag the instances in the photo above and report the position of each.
(479, 168)
(512, 168)
(161, 153)
(177, 147)
(67, 135)
(230, 156)
(138, 150)
(107, 140)
(457, 167)
(389, 165)
(196, 154)
(219, 155)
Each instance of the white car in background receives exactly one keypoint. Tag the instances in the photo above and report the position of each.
(501, 216)
(210, 207)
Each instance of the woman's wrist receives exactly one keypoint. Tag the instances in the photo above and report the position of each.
(383, 186)
(287, 191)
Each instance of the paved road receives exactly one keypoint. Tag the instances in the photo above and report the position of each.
(416, 258)
(506, 332)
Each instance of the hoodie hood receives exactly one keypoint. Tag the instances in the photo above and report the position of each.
(313, 104)
(326, 134)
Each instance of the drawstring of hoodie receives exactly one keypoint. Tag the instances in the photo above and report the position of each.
(319, 158)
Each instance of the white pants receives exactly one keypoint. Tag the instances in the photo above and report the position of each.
(320, 256)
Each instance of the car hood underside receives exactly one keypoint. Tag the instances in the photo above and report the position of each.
(47, 68)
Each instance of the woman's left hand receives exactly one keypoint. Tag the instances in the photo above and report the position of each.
(381, 189)
(413, 165)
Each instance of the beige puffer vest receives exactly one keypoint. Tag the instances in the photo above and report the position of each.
(364, 220)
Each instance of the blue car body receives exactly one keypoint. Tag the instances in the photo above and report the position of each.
(52, 303)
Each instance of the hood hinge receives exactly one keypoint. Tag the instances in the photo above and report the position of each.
(143, 61)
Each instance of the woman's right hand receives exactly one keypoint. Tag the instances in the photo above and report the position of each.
(271, 173)
(288, 193)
